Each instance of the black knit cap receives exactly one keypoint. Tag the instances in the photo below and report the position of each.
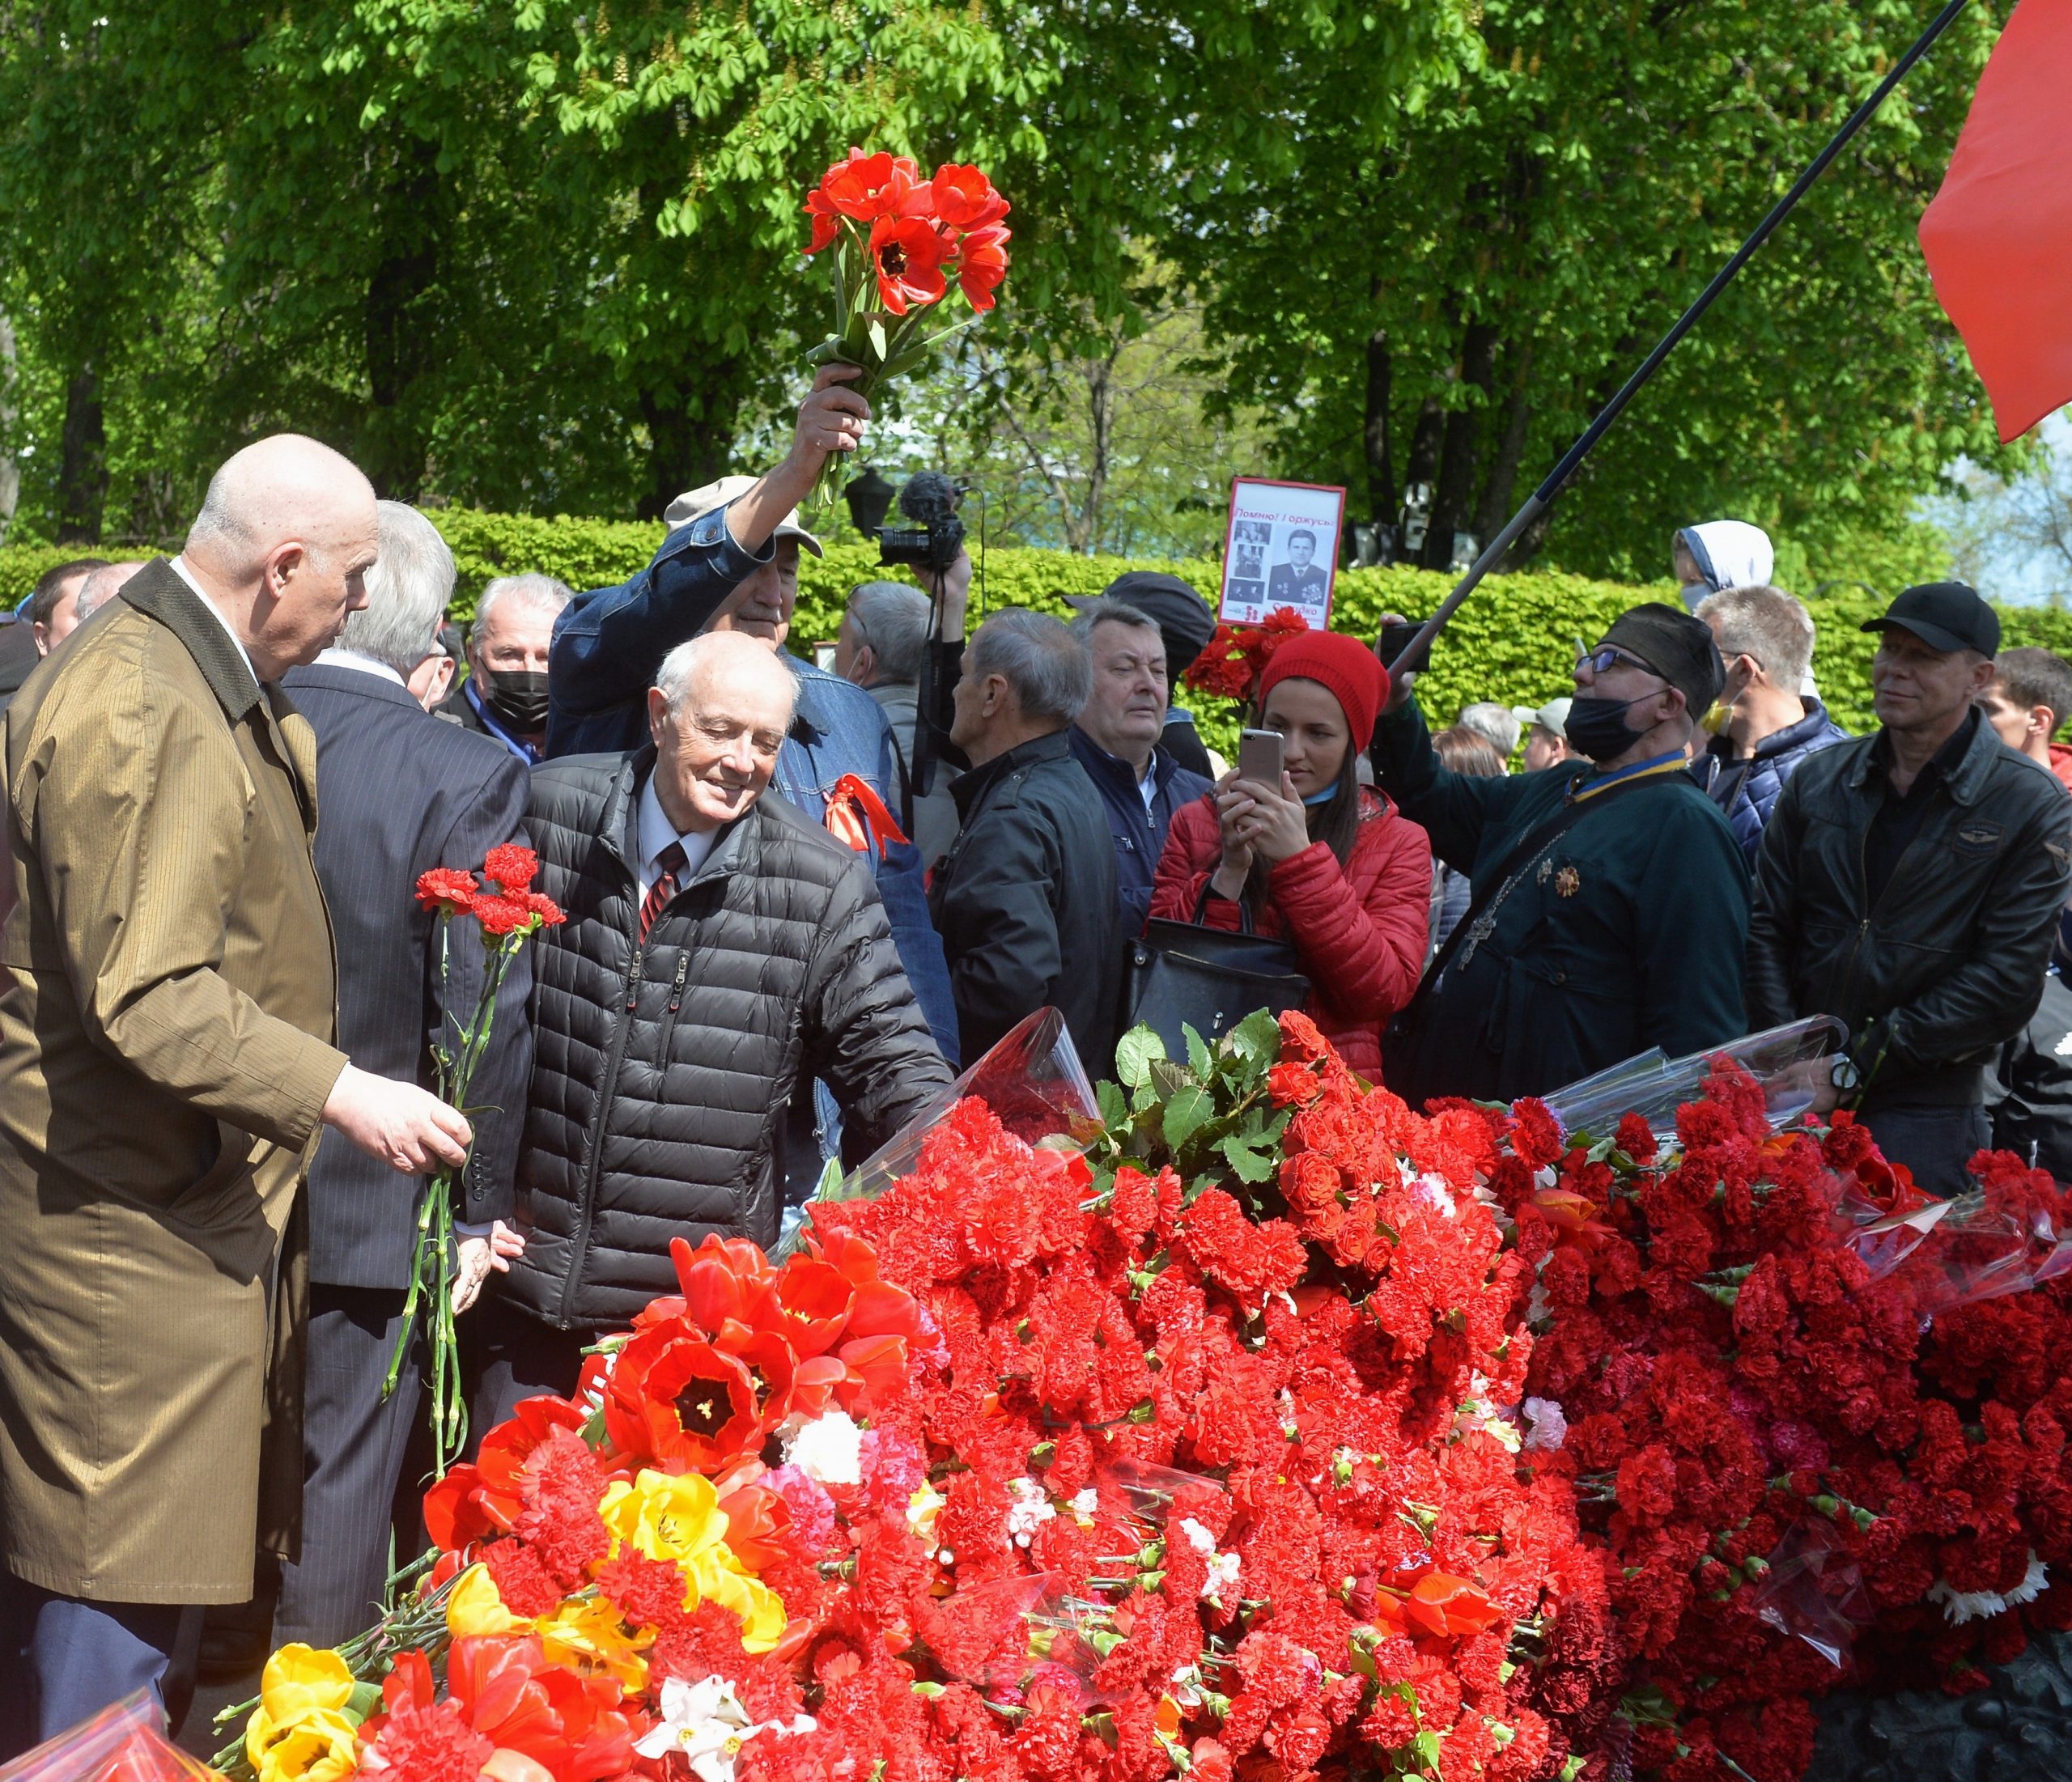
(1181, 616)
(1678, 646)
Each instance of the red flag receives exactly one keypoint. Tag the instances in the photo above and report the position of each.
(1998, 237)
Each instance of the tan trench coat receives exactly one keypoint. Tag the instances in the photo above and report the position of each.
(164, 1058)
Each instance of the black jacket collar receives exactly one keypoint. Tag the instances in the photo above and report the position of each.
(157, 589)
(970, 789)
(1963, 763)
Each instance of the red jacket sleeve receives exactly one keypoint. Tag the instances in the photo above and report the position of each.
(1193, 850)
(1360, 931)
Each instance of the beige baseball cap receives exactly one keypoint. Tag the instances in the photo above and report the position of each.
(715, 495)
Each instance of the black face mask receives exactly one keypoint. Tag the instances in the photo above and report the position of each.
(517, 696)
(1597, 727)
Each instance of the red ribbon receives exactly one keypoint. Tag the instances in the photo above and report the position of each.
(856, 815)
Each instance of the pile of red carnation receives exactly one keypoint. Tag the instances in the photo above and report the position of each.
(1816, 1419)
(1232, 661)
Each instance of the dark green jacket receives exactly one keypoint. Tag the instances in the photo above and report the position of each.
(1629, 933)
(1949, 963)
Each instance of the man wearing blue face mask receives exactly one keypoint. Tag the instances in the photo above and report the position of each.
(1610, 900)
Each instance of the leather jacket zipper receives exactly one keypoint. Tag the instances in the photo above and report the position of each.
(1863, 889)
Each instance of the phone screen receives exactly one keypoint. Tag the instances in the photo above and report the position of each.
(1259, 756)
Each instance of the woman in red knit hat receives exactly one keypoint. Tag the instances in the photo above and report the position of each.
(1321, 861)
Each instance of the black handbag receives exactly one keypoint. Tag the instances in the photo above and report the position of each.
(1183, 974)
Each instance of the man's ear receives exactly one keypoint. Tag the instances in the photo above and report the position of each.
(658, 712)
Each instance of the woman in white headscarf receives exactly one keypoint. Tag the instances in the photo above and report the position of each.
(1719, 554)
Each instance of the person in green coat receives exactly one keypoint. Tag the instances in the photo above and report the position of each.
(1612, 905)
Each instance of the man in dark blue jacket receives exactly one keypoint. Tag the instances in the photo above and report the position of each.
(400, 792)
(1765, 638)
(1116, 738)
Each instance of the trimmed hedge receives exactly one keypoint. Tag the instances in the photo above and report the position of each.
(1514, 642)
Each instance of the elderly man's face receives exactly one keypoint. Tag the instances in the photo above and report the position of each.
(716, 751)
(314, 585)
(761, 605)
(517, 640)
(1125, 713)
(1301, 551)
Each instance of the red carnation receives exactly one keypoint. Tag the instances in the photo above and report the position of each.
(512, 867)
(500, 915)
(448, 888)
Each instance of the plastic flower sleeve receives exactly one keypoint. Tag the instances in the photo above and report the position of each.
(1784, 1060)
(125, 1742)
(1814, 1589)
(1033, 1082)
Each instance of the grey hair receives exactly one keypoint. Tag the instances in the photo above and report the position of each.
(99, 586)
(1049, 668)
(220, 523)
(1101, 610)
(1768, 624)
(1487, 719)
(894, 621)
(680, 667)
(546, 591)
(407, 591)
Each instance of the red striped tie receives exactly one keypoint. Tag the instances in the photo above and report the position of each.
(670, 861)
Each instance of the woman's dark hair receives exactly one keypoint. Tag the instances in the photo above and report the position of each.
(1336, 823)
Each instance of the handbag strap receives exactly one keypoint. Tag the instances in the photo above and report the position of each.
(1207, 891)
(1505, 878)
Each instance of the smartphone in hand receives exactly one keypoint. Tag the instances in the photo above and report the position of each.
(1259, 755)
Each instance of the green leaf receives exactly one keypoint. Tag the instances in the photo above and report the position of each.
(1199, 1059)
(1168, 1077)
(1250, 1164)
(876, 331)
(1115, 1110)
(1185, 1113)
(1256, 1039)
(1134, 1052)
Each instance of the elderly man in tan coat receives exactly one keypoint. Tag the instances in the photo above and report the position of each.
(166, 1065)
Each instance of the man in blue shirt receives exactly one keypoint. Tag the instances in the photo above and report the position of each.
(1116, 738)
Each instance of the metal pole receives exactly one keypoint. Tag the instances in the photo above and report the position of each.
(1543, 498)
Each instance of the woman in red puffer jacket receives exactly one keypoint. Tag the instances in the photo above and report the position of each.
(1327, 864)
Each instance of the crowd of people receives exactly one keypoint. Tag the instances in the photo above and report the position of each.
(797, 902)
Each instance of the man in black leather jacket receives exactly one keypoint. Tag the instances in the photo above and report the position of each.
(1909, 882)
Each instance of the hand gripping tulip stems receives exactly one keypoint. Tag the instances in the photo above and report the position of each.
(509, 912)
(898, 241)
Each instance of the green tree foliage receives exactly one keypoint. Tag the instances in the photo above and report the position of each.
(1448, 304)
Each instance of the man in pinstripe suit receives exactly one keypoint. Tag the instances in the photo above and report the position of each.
(398, 792)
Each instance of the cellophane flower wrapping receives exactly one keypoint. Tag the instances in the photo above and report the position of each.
(125, 1742)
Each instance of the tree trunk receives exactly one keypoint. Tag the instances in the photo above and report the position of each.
(1381, 501)
(689, 439)
(1500, 493)
(399, 334)
(1424, 440)
(82, 465)
(11, 476)
(1453, 501)
(1085, 538)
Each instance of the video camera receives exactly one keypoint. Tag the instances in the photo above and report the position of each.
(930, 501)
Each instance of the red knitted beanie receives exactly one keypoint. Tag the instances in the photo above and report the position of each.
(1343, 666)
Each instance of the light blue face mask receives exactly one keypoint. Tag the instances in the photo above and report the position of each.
(1324, 797)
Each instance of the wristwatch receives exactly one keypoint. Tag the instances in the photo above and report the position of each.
(1843, 1073)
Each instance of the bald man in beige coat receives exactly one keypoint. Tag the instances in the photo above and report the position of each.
(166, 1064)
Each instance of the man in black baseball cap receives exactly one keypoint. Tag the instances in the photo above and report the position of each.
(1909, 884)
(1185, 621)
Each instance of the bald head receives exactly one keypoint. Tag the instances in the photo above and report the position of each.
(282, 546)
(718, 712)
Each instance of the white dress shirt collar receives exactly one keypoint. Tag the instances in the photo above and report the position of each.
(656, 833)
(338, 657)
(180, 568)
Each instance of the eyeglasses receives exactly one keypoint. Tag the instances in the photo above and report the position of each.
(1607, 657)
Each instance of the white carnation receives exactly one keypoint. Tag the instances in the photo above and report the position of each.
(1031, 1508)
(828, 1450)
(1549, 1428)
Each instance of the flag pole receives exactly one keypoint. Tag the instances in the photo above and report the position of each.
(1543, 498)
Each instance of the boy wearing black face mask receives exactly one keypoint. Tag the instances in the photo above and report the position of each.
(1611, 901)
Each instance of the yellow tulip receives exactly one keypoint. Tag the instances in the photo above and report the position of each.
(676, 1518)
(588, 1636)
(761, 1609)
(474, 1607)
(300, 1732)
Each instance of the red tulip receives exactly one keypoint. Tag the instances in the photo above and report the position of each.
(477, 1500)
(981, 264)
(681, 1403)
(965, 198)
(908, 254)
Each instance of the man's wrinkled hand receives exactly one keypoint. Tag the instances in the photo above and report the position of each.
(408, 1128)
(477, 1256)
(830, 419)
